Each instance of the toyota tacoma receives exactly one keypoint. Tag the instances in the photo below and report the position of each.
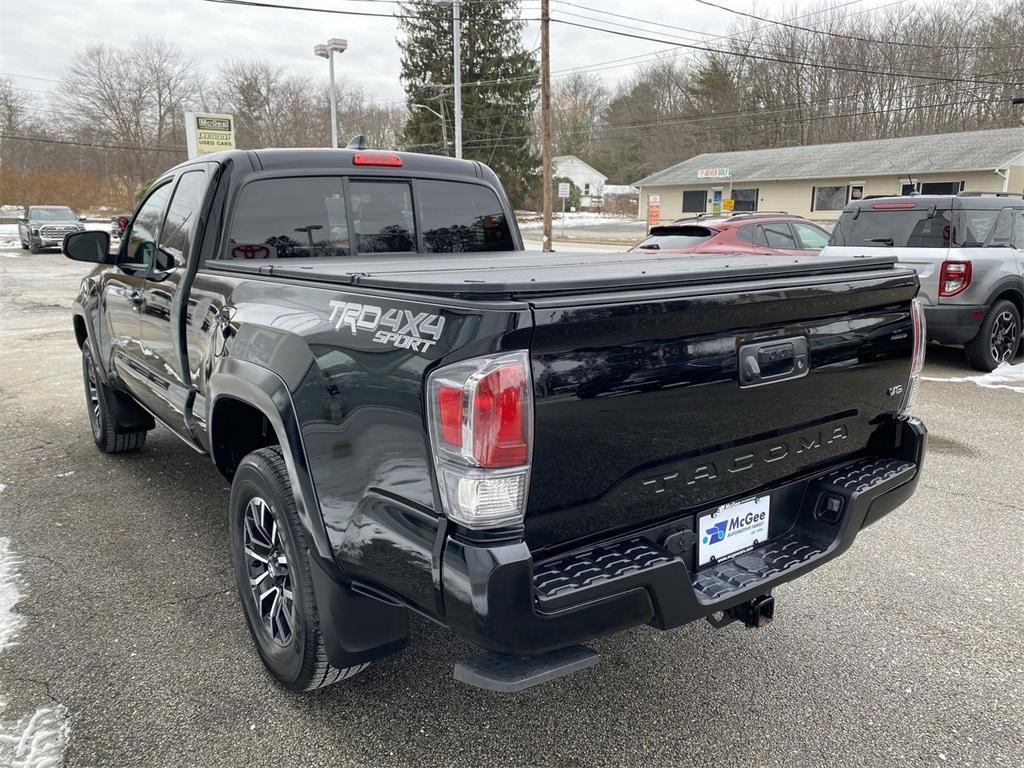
(531, 449)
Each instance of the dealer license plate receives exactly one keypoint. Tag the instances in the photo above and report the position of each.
(732, 528)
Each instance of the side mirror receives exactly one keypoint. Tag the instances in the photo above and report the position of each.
(81, 218)
(91, 246)
(163, 263)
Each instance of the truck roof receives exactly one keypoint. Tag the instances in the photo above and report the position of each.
(325, 158)
(532, 273)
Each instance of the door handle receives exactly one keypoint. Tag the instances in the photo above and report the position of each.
(770, 361)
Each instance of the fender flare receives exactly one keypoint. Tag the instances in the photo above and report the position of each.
(265, 391)
(1012, 283)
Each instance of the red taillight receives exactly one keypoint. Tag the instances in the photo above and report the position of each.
(377, 158)
(499, 418)
(954, 277)
(893, 206)
(449, 406)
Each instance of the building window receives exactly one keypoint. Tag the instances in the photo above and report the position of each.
(694, 201)
(828, 199)
(909, 188)
(586, 188)
(942, 187)
(745, 199)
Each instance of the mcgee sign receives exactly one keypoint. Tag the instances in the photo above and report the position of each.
(208, 133)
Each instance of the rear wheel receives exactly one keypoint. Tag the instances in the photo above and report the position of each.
(268, 550)
(998, 337)
(110, 434)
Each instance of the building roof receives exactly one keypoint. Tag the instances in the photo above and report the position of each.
(938, 153)
(572, 158)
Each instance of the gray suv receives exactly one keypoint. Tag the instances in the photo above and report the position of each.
(968, 250)
(44, 226)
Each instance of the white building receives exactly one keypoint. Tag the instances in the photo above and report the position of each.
(589, 181)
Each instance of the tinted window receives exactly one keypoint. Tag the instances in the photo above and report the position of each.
(176, 235)
(460, 217)
(745, 199)
(895, 229)
(811, 237)
(1018, 230)
(667, 238)
(941, 187)
(828, 199)
(779, 235)
(694, 201)
(145, 225)
(746, 233)
(288, 218)
(382, 218)
(983, 227)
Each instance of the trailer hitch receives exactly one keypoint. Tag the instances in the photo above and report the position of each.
(754, 613)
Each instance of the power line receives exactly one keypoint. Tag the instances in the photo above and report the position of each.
(339, 12)
(41, 140)
(842, 36)
(778, 60)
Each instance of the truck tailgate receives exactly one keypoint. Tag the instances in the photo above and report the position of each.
(640, 413)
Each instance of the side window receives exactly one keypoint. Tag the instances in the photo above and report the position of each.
(382, 218)
(811, 238)
(779, 235)
(145, 226)
(458, 217)
(1018, 231)
(746, 233)
(179, 225)
(289, 218)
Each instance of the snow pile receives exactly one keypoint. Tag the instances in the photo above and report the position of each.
(37, 741)
(572, 219)
(1009, 377)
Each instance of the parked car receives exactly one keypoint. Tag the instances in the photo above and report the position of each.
(118, 224)
(758, 233)
(44, 226)
(968, 250)
(417, 416)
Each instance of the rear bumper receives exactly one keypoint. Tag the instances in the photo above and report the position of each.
(497, 597)
(952, 323)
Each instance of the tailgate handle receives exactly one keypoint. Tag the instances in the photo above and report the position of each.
(769, 361)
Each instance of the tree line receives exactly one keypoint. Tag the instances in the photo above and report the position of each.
(834, 74)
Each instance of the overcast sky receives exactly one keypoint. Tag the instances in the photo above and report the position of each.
(39, 38)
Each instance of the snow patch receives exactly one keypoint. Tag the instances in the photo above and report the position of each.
(578, 219)
(1009, 377)
(37, 740)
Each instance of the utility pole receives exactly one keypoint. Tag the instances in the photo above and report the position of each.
(545, 119)
(457, 65)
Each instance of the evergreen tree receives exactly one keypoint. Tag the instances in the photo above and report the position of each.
(499, 94)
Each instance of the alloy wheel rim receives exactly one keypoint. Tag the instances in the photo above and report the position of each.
(92, 393)
(1004, 338)
(268, 571)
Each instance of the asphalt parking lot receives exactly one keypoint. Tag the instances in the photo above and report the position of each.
(909, 650)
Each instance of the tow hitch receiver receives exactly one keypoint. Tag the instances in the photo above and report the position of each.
(753, 613)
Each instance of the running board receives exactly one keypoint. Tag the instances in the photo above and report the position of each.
(510, 674)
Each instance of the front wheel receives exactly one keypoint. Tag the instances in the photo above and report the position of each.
(998, 337)
(268, 551)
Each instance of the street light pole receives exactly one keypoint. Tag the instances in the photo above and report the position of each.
(444, 128)
(457, 66)
(334, 45)
(545, 123)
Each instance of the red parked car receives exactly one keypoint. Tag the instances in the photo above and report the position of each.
(770, 233)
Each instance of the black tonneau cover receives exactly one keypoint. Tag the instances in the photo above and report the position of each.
(533, 273)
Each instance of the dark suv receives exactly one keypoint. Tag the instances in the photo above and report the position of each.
(756, 233)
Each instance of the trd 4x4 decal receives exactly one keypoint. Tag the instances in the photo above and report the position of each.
(400, 328)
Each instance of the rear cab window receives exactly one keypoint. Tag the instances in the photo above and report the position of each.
(668, 237)
(325, 216)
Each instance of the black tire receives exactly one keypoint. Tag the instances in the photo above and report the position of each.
(299, 660)
(998, 337)
(110, 435)
(32, 247)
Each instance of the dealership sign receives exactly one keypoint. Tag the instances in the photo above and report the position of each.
(206, 133)
(714, 173)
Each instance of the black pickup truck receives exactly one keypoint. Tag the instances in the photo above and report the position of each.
(530, 449)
